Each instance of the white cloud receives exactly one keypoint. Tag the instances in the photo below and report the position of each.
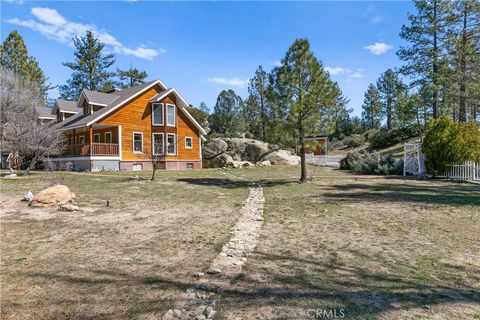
(53, 25)
(375, 19)
(379, 48)
(335, 71)
(356, 75)
(235, 82)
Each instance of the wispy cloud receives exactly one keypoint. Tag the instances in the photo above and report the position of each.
(335, 71)
(379, 48)
(375, 19)
(53, 25)
(234, 82)
(358, 74)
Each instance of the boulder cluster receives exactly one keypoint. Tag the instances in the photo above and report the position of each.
(242, 152)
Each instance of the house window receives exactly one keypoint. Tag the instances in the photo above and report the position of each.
(171, 144)
(158, 144)
(108, 137)
(96, 138)
(87, 109)
(137, 142)
(188, 143)
(189, 165)
(81, 140)
(157, 114)
(137, 167)
(170, 115)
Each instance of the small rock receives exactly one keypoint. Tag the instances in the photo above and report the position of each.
(214, 271)
(11, 176)
(199, 274)
(238, 263)
(189, 290)
(28, 197)
(177, 312)
(396, 304)
(209, 312)
(243, 259)
(69, 207)
(168, 315)
(201, 317)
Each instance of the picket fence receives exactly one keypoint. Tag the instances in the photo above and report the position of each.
(467, 171)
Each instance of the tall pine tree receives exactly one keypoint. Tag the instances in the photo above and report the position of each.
(227, 118)
(305, 90)
(90, 68)
(426, 57)
(14, 57)
(258, 102)
(131, 77)
(389, 87)
(372, 108)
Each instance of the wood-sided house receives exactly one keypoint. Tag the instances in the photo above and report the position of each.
(122, 129)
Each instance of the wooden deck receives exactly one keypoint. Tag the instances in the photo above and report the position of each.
(98, 149)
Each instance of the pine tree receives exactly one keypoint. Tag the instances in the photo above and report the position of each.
(464, 50)
(426, 55)
(227, 118)
(389, 87)
(90, 68)
(14, 57)
(258, 101)
(305, 90)
(372, 108)
(131, 77)
(340, 114)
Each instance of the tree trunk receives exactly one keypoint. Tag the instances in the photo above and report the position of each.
(462, 117)
(435, 67)
(31, 165)
(153, 173)
(262, 110)
(303, 165)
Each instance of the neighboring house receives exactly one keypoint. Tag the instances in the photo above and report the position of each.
(120, 130)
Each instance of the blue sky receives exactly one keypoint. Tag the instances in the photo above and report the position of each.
(201, 48)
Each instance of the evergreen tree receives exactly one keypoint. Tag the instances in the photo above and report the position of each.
(227, 118)
(305, 90)
(340, 114)
(389, 87)
(131, 77)
(426, 55)
(464, 50)
(199, 113)
(372, 108)
(258, 102)
(252, 116)
(14, 57)
(90, 68)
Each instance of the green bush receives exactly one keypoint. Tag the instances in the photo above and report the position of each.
(447, 142)
(371, 163)
(385, 138)
(354, 141)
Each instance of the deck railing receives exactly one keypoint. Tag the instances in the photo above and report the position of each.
(98, 149)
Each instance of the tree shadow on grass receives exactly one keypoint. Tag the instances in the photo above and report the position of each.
(233, 184)
(329, 284)
(447, 194)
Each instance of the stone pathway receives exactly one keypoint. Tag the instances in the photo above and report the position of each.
(198, 302)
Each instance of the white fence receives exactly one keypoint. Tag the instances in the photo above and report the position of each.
(466, 171)
(313, 159)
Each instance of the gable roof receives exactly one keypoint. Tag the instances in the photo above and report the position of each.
(66, 106)
(119, 98)
(100, 98)
(44, 113)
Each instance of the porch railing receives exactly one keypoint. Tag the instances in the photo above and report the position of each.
(98, 149)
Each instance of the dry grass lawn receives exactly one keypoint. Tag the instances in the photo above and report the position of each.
(367, 248)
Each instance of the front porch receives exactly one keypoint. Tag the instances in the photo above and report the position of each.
(96, 140)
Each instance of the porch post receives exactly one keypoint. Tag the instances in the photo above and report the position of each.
(119, 141)
(90, 153)
(74, 144)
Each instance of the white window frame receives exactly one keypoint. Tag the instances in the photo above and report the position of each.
(174, 144)
(96, 134)
(174, 114)
(153, 141)
(133, 142)
(191, 143)
(111, 136)
(163, 114)
(81, 138)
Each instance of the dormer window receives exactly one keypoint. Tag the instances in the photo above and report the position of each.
(87, 109)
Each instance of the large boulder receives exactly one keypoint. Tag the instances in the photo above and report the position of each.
(220, 161)
(254, 151)
(236, 147)
(213, 148)
(53, 196)
(282, 157)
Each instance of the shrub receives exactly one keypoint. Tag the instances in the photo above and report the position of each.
(354, 141)
(385, 138)
(371, 163)
(446, 142)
